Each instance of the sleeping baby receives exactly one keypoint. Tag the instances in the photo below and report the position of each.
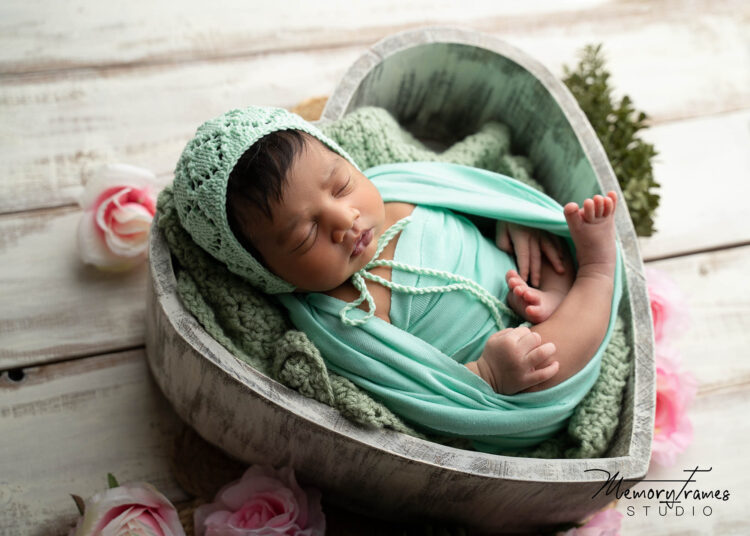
(387, 273)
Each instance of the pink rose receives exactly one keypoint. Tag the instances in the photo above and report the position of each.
(263, 503)
(119, 205)
(675, 389)
(668, 305)
(136, 509)
(605, 522)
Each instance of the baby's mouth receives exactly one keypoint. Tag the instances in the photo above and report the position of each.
(362, 242)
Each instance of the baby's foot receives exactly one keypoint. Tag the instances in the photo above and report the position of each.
(532, 304)
(592, 229)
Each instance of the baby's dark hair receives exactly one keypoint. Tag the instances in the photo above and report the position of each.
(259, 177)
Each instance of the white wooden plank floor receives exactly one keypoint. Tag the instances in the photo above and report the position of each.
(83, 83)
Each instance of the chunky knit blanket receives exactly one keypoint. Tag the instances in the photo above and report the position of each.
(253, 327)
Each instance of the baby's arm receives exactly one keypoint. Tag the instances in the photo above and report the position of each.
(515, 359)
(529, 244)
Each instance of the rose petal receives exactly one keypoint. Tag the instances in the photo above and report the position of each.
(263, 496)
(124, 247)
(131, 219)
(92, 248)
(203, 512)
(116, 175)
(219, 517)
(675, 389)
(151, 525)
(115, 525)
(126, 503)
(668, 305)
(122, 201)
(255, 480)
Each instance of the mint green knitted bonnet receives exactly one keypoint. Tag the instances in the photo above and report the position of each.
(202, 173)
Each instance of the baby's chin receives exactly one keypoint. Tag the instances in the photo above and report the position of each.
(329, 285)
(323, 287)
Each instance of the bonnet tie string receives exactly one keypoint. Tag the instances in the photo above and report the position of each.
(492, 303)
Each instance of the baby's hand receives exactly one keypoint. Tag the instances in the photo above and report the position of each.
(515, 359)
(528, 245)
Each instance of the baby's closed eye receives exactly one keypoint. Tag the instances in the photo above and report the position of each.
(346, 188)
(311, 233)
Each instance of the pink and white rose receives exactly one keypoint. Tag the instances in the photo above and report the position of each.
(668, 305)
(264, 502)
(134, 509)
(119, 204)
(675, 389)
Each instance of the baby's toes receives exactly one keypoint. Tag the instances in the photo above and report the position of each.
(589, 210)
(532, 296)
(535, 314)
(573, 215)
(519, 290)
(516, 282)
(610, 203)
(570, 209)
(598, 206)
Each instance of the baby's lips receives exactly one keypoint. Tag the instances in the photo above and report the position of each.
(361, 242)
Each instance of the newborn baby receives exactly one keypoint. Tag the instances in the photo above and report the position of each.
(398, 289)
(317, 222)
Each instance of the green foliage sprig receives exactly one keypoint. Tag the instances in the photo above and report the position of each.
(617, 127)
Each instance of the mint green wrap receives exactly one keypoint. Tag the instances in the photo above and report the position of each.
(416, 368)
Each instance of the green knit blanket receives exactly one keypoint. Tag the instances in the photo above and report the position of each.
(254, 328)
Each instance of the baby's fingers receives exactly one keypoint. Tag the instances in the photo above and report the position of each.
(522, 257)
(553, 253)
(535, 259)
(537, 356)
(541, 375)
(526, 343)
(502, 239)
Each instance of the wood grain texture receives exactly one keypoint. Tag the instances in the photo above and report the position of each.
(53, 306)
(716, 343)
(710, 38)
(142, 116)
(64, 426)
(142, 111)
(703, 168)
(82, 34)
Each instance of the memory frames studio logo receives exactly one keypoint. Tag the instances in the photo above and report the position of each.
(690, 499)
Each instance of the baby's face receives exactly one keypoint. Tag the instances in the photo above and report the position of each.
(327, 224)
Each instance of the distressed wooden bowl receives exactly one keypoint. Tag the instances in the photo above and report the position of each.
(440, 83)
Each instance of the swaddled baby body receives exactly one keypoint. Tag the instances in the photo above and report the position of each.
(400, 294)
(316, 221)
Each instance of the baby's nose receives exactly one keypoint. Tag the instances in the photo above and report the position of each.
(344, 222)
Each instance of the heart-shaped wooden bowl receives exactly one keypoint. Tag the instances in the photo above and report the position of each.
(441, 84)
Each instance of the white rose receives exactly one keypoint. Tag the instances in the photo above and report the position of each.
(119, 204)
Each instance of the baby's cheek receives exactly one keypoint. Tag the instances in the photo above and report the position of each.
(327, 273)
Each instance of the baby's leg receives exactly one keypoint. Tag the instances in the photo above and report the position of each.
(578, 325)
(536, 305)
